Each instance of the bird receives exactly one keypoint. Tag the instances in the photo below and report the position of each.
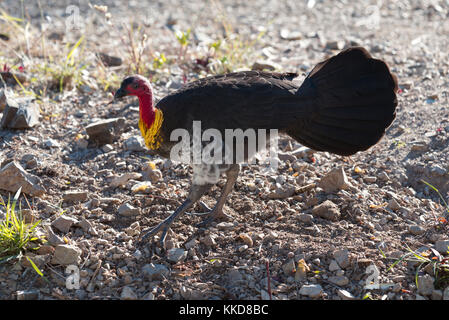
(344, 105)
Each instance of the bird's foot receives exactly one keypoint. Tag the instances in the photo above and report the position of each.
(205, 207)
(163, 226)
(210, 214)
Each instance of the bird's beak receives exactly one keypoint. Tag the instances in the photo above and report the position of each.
(120, 93)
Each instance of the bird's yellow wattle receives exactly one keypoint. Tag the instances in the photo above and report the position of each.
(151, 134)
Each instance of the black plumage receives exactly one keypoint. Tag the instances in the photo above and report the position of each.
(343, 106)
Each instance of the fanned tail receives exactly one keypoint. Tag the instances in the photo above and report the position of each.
(354, 102)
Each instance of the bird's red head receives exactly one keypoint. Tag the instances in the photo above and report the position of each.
(139, 86)
(134, 85)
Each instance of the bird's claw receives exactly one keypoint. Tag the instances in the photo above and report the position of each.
(164, 226)
(204, 206)
(213, 215)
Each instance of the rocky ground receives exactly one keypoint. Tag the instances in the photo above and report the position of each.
(321, 227)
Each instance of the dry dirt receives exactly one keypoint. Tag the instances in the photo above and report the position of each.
(383, 209)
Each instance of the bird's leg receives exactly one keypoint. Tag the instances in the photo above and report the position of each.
(196, 191)
(217, 211)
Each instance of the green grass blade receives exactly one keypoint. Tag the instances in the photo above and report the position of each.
(72, 51)
(35, 267)
(437, 191)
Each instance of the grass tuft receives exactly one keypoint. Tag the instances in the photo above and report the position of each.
(430, 261)
(16, 236)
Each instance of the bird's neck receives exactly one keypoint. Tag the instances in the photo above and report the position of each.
(147, 110)
(150, 122)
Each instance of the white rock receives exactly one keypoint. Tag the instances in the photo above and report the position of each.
(28, 294)
(128, 210)
(335, 180)
(51, 143)
(225, 225)
(345, 295)
(123, 179)
(107, 148)
(282, 192)
(311, 290)
(134, 143)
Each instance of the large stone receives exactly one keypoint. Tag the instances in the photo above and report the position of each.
(75, 196)
(13, 176)
(342, 258)
(63, 223)
(128, 210)
(66, 254)
(311, 290)
(32, 294)
(155, 271)
(109, 61)
(128, 294)
(282, 192)
(327, 210)
(134, 143)
(123, 179)
(105, 131)
(176, 255)
(442, 246)
(345, 295)
(19, 114)
(425, 285)
(339, 280)
(53, 238)
(335, 180)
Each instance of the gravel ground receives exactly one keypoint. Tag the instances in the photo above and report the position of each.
(340, 215)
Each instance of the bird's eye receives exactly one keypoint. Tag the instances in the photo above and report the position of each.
(135, 86)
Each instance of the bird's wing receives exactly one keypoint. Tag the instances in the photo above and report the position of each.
(251, 99)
